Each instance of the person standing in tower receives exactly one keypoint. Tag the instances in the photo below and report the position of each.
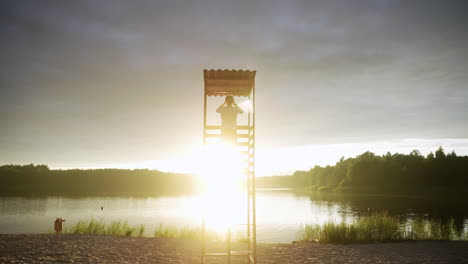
(229, 111)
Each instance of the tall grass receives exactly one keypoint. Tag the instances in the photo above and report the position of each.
(98, 227)
(421, 229)
(165, 231)
(174, 232)
(192, 233)
(122, 228)
(380, 227)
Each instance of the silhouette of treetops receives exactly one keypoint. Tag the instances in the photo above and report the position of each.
(437, 174)
(39, 179)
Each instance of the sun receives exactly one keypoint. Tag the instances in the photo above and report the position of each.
(220, 174)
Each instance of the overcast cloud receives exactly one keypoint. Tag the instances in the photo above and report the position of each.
(108, 82)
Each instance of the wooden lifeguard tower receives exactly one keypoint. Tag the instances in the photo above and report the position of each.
(237, 83)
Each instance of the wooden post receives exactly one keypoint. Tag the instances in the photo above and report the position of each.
(203, 235)
(248, 187)
(254, 209)
(229, 245)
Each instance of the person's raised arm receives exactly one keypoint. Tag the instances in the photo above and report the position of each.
(219, 108)
(239, 109)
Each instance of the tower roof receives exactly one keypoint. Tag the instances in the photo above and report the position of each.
(228, 82)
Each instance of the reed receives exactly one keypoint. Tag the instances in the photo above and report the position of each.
(122, 228)
(98, 227)
(165, 231)
(380, 227)
(186, 232)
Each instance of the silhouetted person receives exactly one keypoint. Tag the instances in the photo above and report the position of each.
(229, 111)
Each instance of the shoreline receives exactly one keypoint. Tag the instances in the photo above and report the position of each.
(42, 248)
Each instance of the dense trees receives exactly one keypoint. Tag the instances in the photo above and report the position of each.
(39, 179)
(412, 174)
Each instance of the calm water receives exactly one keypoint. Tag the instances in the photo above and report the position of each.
(280, 213)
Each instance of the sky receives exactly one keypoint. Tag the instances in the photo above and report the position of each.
(92, 84)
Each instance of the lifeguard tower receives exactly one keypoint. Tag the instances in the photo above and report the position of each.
(237, 83)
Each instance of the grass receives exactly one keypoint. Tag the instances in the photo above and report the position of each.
(377, 227)
(165, 231)
(122, 228)
(193, 233)
(380, 227)
(97, 227)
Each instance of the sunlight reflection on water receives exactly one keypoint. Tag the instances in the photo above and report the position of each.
(279, 213)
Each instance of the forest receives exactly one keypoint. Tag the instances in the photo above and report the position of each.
(40, 180)
(437, 174)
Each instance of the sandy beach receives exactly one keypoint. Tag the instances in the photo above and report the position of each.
(42, 248)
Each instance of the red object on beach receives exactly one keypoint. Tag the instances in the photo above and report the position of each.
(58, 226)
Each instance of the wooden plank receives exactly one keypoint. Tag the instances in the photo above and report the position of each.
(213, 135)
(240, 253)
(226, 254)
(241, 136)
(219, 128)
(212, 127)
(245, 238)
(216, 254)
(224, 82)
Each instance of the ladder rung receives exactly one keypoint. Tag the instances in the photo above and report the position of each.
(212, 127)
(219, 135)
(213, 135)
(219, 127)
(233, 253)
(241, 238)
(240, 253)
(216, 254)
(220, 143)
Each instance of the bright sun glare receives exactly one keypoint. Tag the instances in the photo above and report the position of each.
(220, 173)
(221, 170)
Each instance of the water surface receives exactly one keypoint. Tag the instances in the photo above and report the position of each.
(280, 212)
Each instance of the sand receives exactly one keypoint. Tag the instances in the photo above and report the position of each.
(42, 248)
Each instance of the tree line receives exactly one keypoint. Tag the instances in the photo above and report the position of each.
(408, 174)
(40, 180)
(437, 174)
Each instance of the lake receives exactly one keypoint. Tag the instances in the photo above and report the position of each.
(280, 212)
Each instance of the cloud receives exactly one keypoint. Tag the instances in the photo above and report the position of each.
(92, 76)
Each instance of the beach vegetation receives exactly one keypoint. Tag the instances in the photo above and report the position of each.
(381, 227)
(98, 227)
